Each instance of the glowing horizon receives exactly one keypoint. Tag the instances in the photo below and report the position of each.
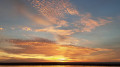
(59, 31)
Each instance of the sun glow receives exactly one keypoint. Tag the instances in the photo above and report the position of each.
(58, 58)
(63, 60)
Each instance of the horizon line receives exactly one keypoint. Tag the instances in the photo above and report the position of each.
(62, 63)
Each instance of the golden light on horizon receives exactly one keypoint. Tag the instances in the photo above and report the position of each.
(58, 58)
(63, 60)
(52, 52)
(59, 31)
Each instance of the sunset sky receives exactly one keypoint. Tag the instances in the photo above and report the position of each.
(59, 31)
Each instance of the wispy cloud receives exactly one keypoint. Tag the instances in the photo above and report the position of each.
(86, 23)
(55, 31)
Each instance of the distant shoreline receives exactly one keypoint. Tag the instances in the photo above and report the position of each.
(64, 63)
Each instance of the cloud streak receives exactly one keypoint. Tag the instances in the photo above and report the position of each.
(55, 31)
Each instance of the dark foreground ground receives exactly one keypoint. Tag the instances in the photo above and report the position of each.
(65, 63)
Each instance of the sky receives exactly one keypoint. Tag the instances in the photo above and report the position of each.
(59, 31)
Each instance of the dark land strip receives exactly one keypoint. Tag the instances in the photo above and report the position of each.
(65, 63)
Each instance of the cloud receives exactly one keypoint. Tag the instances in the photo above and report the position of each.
(53, 16)
(27, 29)
(56, 11)
(86, 23)
(118, 60)
(67, 40)
(52, 12)
(33, 56)
(34, 17)
(47, 50)
(103, 21)
(4, 43)
(55, 31)
(1, 28)
(61, 36)
(54, 8)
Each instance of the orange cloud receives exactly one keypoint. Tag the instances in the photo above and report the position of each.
(54, 10)
(72, 11)
(33, 56)
(1, 28)
(62, 23)
(2, 58)
(118, 60)
(86, 24)
(55, 31)
(49, 50)
(51, 18)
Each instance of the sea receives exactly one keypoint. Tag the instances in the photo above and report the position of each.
(59, 66)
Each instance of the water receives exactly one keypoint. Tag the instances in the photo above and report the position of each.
(59, 66)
